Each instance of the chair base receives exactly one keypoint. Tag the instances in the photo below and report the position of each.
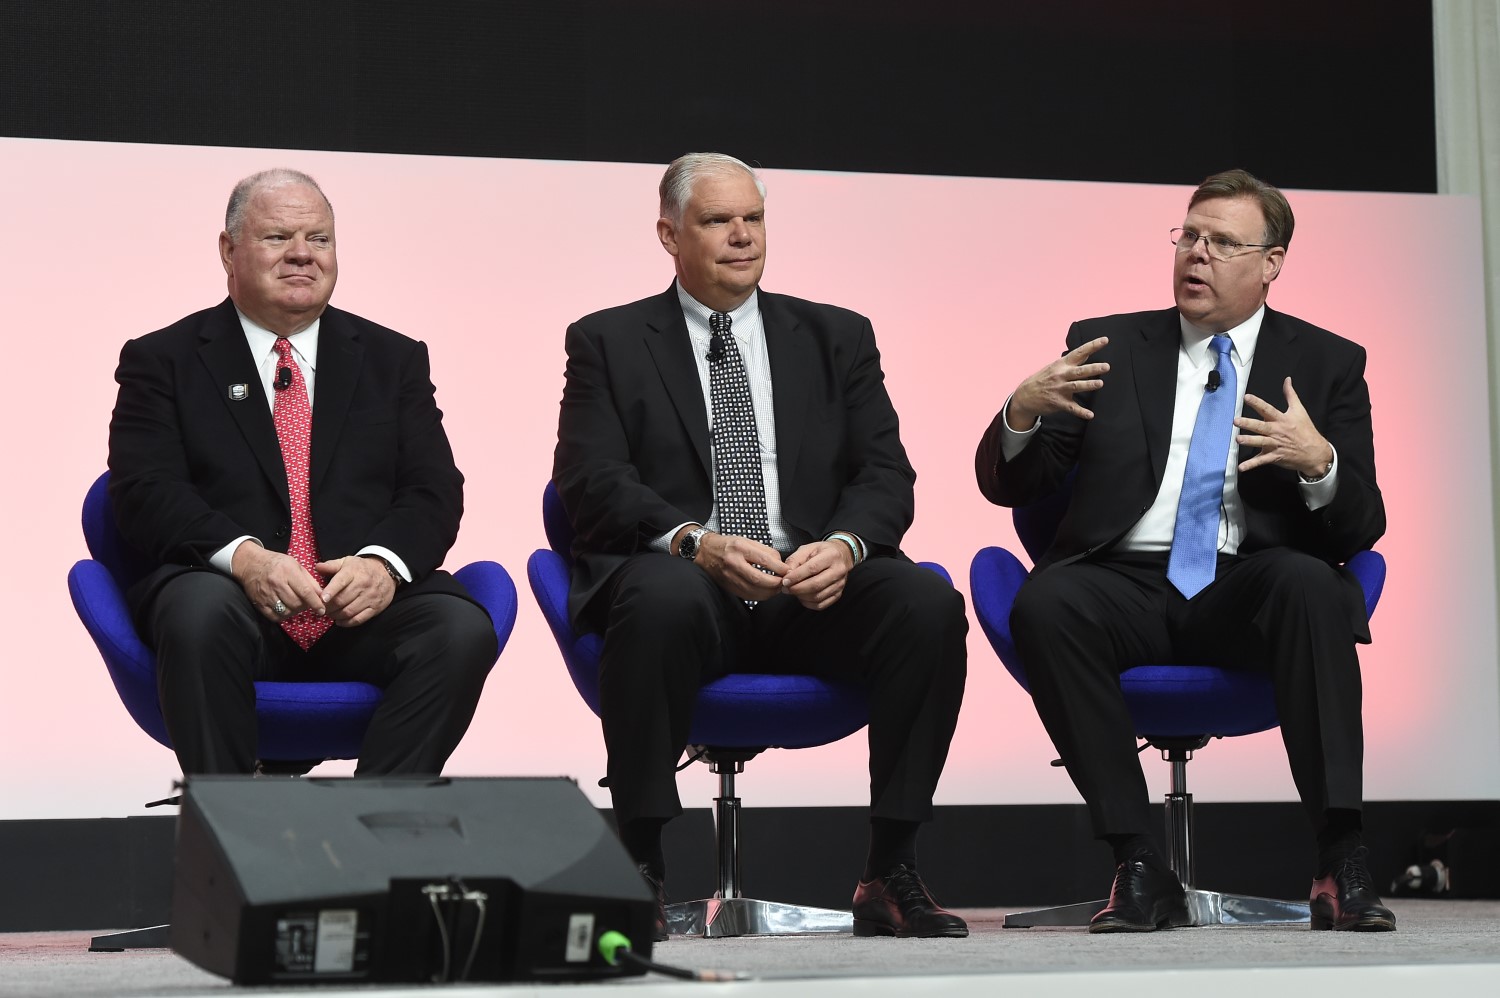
(150, 937)
(721, 917)
(1204, 908)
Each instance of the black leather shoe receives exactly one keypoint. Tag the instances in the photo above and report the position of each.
(899, 904)
(659, 891)
(1345, 899)
(1143, 898)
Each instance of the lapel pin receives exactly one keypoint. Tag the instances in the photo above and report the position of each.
(238, 393)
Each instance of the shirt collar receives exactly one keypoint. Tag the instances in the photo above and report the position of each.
(1244, 337)
(263, 342)
(742, 321)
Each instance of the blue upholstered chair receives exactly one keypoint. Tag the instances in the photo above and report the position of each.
(298, 721)
(736, 718)
(1177, 709)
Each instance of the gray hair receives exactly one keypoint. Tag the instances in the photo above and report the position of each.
(234, 215)
(686, 170)
(1273, 204)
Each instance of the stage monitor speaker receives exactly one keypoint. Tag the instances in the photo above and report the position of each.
(287, 880)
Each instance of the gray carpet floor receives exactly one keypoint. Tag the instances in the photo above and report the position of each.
(1434, 938)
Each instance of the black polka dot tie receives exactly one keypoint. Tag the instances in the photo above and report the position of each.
(293, 418)
(739, 489)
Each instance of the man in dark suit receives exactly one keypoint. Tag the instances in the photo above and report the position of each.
(1202, 529)
(731, 465)
(284, 463)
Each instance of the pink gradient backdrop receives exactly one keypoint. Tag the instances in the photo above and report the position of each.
(971, 284)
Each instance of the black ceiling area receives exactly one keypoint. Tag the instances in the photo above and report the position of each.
(1335, 95)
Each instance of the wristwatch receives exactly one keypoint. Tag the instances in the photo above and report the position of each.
(688, 546)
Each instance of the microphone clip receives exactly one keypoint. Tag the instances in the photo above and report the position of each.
(1214, 381)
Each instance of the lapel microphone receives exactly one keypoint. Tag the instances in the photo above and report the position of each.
(1214, 381)
(284, 379)
(715, 348)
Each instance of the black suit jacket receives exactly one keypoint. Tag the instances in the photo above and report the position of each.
(193, 468)
(632, 458)
(1121, 453)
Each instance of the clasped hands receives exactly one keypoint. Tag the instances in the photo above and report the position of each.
(1285, 438)
(357, 589)
(814, 574)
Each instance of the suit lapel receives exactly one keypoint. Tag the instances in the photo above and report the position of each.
(792, 358)
(340, 356)
(226, 354)
(1154, 362)
(671, 350)
(1276, 355)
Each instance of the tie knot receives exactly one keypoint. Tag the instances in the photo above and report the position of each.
(1221, 345)
(719, 323)
(283, 348)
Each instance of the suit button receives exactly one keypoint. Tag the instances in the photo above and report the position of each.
(280, 532)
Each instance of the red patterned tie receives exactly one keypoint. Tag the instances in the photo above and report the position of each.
(293, 417)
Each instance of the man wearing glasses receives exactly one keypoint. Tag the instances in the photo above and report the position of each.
(1223, 467)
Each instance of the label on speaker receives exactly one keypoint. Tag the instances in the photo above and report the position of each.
(580, 938)
(336, 933)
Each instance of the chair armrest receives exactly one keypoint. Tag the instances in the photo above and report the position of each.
(995, 576)
(132, 666)
(490, 584)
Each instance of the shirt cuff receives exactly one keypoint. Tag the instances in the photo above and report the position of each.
(388, 555)
(223, 559)
(664, 542)
(1012, 442)
(1321, 492)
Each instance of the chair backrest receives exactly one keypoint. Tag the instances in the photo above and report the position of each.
(102, 535)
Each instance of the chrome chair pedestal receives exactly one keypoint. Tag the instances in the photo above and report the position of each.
(1203, 907)
(727, 913)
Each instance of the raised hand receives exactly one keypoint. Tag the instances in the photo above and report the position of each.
(1052, 389)
(1286, 438)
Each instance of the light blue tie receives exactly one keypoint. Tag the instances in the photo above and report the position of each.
(1195, 539)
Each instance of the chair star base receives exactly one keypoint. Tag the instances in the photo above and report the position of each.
(721, 917)
(150, 937)
(1204, 908)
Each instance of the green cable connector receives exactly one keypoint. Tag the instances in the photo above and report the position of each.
(610, 943)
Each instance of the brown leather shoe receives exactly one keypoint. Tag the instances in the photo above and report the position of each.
(1144, 897)
(1345, 899)
(659, 891)
(899, 904)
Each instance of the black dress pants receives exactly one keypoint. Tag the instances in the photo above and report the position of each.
(669, 629)
(1078, 626)
(430, 655)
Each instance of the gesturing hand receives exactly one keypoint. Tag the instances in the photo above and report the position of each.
(1053, 387)
(1285, 438)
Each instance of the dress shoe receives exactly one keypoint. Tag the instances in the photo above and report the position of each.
(899, 904)
(658, 891)
(1144, 897)
(1344, 898)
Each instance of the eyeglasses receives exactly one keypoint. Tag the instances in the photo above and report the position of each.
(1219, 247)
